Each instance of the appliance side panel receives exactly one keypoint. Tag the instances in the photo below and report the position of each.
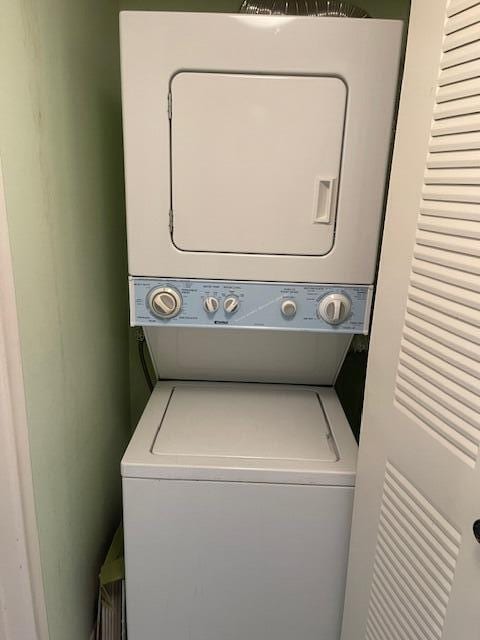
(251, 561)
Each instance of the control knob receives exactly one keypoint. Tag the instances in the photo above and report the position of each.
(288, 308)
(165, 302)
(334, 308)
(210, 304)
(231, 304)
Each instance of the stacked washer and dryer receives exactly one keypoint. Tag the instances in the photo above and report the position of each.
(256, 153)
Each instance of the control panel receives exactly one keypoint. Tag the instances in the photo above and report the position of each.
(250, 305)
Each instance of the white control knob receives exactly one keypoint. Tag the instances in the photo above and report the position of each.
(231, 304)
(210, 304)
(289, 308)
(165, 302)
(334, 308)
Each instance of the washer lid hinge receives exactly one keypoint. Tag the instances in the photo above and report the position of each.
(169, 105)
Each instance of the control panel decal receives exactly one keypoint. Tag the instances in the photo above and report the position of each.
(250, 305)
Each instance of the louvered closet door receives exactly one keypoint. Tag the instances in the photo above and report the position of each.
(414, 569)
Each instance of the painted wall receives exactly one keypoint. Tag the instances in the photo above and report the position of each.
(60, 144)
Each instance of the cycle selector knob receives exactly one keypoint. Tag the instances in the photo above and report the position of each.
(165, 302)
(231, 304)
(210, 304)
(334, 308)
(289, 308)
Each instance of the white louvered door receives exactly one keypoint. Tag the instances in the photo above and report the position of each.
(414, 567)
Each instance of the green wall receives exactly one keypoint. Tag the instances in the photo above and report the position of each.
(60, 146)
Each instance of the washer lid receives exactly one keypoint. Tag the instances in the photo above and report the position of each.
(280, 426)
(242, 432)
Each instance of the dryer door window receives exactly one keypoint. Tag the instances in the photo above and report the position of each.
(256, 162)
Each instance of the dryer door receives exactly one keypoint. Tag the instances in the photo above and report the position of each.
(255, 162)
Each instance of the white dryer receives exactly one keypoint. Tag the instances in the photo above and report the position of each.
(237, 503)
(256, 147)
(256, 153)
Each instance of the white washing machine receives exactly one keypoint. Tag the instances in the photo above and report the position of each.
(256, 152)
(237, 501)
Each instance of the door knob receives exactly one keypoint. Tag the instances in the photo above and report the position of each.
(476, 530)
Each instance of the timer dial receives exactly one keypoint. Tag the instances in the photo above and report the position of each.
(165, 302)
(334, 308)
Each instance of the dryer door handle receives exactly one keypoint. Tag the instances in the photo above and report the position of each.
(324, 200)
